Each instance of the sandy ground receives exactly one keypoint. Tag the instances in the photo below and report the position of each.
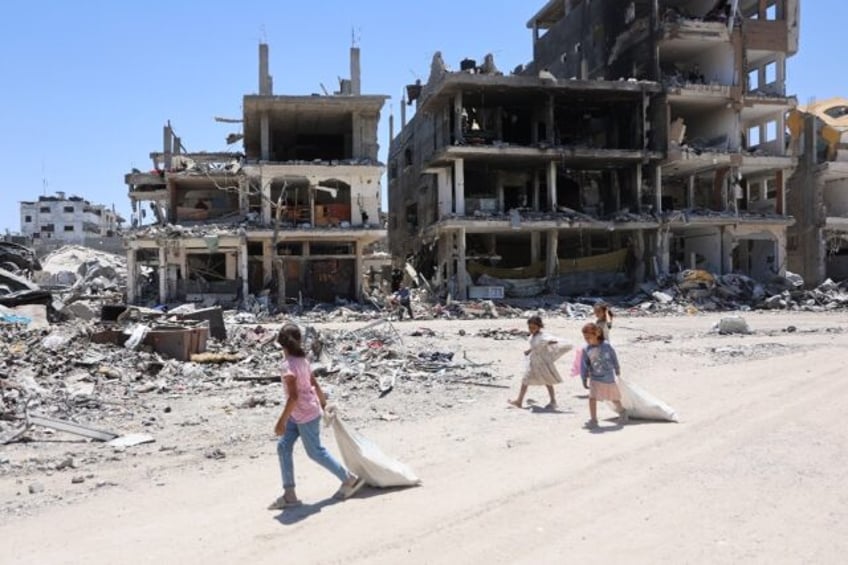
(753, 473)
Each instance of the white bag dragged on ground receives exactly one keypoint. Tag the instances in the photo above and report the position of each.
(643, 406)
(365, 459)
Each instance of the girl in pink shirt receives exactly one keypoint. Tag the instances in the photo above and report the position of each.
(301, 418)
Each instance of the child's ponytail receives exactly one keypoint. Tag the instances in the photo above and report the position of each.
(289, 337)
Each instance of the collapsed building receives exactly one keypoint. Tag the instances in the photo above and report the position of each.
(638, 142)
(818, 242)
(291, 217)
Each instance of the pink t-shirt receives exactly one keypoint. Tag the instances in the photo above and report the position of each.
(307, 407)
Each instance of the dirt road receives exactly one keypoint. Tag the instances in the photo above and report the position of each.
(753, 473)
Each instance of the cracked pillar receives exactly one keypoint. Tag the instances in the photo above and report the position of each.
(535, 247)
(552, 259)
(358, 270)
(461, 273)
(637, 180)
(459, 187)
(658, 188)
(537, 189)
(499, 191)
(550, 119)
(163, 274)
(242, 268)
(780, 182)
(443, 180)
(552, 187)
(132, 276)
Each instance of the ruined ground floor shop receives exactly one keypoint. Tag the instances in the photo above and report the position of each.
(474, 259)
(227, 268)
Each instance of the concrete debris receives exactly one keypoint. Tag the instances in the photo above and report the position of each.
(732, 325)
(131, 440)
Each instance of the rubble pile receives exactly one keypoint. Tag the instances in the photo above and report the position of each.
(693, 290)
(65, 373)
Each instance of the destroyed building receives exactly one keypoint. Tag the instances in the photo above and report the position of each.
(818, 199)
(292, 217)
(638, 142)
(67, 219)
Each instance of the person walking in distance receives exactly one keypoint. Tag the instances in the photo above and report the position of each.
(301, 418)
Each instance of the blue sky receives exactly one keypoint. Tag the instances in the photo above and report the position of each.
(88, 85)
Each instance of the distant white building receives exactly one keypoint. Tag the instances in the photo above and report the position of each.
(70, 219)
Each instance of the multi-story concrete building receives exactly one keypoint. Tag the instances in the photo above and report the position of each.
(643, 138)
(292, 216)
(68, 219)
(818, 199)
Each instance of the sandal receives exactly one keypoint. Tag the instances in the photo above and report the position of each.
(346, 491)
(282, 503)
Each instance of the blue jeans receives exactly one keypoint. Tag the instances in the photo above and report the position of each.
(310, 432)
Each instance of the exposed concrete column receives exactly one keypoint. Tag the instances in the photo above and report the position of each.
(552, 186)
(444, 257)
(267, 260)
(357, 283)
(552, 259)
(458, 136)
(231, 263)
(265, 189)
(265, 136)
(537, 188)
(355, 73)
(663, 255)
(690, 193)
(443, 182)
(244, 192)
(535, 246)
(499, 191)
(639, 256)
(167, 146)
(780, 181)
(163, 274)
(264, 77)
(242, 268)
(550, 119)
(311, 193)
(658, 188)
(461, 273)
(638, 181)
(132, 276)
(459, 187)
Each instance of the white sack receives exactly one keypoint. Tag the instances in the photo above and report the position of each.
(643, 406)
(365, 459)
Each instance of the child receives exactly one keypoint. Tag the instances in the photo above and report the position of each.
(599, 366)
(541, 369)
(603, 319)
(301, 418)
